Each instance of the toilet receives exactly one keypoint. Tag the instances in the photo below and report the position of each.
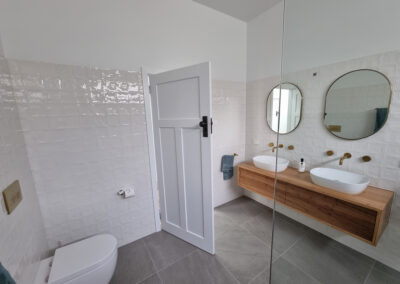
(89, 261)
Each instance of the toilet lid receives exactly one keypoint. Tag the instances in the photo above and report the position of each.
(78, 258)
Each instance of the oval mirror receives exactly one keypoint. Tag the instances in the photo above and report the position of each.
(291, 104)
(357, 104)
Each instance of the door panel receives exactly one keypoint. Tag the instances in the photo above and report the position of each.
(180, 98)
(192, 163)
(170, 175)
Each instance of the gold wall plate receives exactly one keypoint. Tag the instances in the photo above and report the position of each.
(12, 196)
(330, 153)
(366, 158)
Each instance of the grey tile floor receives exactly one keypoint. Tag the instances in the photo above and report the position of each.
(243, 238)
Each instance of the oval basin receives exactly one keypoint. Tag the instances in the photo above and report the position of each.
(268, 163)
(339, 180)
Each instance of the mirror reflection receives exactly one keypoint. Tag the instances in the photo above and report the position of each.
(357, 104)
(290, 108)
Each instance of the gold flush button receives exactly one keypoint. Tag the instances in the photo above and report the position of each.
(12, 196)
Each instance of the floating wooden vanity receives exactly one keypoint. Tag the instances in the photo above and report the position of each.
(363, 216)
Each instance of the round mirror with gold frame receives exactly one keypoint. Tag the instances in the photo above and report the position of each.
(357, 104)
(291, 101)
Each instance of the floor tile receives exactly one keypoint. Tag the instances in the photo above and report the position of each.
(283, 272)
(261, 226)
(286, 232)
(221, 224)
(134, 264)
(241, 210)
(165, 249)
(154, 279)
(378, 277)
(199, 267)
(242, 254)
(323, 258)
(386, 269)
(262, 278)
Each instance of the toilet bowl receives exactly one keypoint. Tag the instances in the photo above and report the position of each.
(90, 261)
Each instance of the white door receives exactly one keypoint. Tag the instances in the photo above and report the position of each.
(181, 99)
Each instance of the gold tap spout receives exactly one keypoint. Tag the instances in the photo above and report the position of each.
(345, 156)
(276, 147)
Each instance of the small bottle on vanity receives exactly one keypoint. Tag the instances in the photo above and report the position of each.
(302, 166)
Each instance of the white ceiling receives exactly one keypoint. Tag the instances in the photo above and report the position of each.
(244, 10)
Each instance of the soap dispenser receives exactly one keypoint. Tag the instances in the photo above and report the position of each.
(302, 166)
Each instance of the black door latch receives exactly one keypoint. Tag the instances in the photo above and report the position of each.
(204, 123)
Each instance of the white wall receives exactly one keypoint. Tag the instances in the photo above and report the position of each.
(22, 237)
(229, 137)
(311, 140)
(323, 32)
(120, 34)
(264, 44)
(157, 34)
(319, 34)
(86, 139)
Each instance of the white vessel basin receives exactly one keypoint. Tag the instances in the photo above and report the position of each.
(268, 163)
(339, 180)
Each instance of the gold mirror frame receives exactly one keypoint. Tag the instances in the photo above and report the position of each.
(301, 107)
(330, 86)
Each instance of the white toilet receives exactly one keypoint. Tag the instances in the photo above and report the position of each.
(90, 261)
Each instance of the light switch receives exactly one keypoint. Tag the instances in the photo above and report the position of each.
(12, 196)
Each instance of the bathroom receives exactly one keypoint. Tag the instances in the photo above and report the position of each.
(91, 193)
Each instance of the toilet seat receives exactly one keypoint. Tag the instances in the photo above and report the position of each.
(76, 259)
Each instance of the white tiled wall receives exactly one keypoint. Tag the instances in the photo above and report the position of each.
(86, 139)
(229, 116)
(22, 237)
(311, 140)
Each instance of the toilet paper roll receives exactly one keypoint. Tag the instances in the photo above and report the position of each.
(128, 193)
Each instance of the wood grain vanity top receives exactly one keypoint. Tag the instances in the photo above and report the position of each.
(372, 197)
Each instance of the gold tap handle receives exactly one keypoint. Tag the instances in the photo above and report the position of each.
(271, 144)
(347, 155)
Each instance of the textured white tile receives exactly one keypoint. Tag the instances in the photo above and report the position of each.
(22, 237)
(311, 140)
(86, 139)
(229, 117)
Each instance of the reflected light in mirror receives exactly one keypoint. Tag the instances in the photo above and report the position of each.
(290, 108)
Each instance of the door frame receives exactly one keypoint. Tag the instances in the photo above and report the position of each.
(152, 148)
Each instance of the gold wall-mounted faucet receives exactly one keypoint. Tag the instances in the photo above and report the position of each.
(345, 156)
(275, 147)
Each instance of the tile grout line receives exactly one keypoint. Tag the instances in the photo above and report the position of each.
(240, 225)
(289, 248)
(255, 277)
(306, 273)
(142, 281)
(179, 259)
(152, 261)
(227, 269)
(369, 272)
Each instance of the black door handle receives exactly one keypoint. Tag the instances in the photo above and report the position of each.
(204, 123)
